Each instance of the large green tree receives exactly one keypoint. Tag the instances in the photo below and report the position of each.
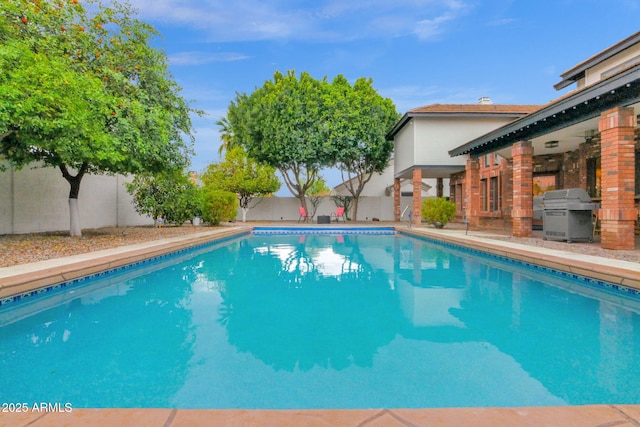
(300, 125)
(243, 176)
(283, 124)
(358, 128)
(83, 90)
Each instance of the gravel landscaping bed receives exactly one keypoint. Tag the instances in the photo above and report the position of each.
(24, 248)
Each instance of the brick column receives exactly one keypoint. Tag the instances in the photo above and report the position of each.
(522, 212)
(472, 191)
(396, 200)
(439, 187)
(417, 196)
(618, 211)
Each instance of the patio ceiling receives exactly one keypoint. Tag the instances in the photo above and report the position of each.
(566, 120)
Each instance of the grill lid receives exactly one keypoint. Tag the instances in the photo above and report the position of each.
(575, 199)
(569, 194)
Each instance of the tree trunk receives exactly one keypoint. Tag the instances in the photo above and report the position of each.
(244, 214)
(355, 208)
(74, 218)
(75, 230)
(303, 203)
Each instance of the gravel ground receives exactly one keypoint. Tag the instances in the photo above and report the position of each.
(577, 247)
(25, 248)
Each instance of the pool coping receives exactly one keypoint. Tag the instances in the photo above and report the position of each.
(618, 272)
(25, 278)
(549, 416)
(22, 278)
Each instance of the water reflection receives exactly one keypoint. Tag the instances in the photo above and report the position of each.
(307, 314)
(322, 301)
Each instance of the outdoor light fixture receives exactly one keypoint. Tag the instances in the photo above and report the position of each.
(551, 144)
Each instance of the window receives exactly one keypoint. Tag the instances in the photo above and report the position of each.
(544, 182)
(494, 194)
(593, 176)
(484, 195)
(496, 159)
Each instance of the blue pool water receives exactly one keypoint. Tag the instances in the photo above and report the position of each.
(322, 321)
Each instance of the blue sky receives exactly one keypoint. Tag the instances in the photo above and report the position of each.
(417, 52)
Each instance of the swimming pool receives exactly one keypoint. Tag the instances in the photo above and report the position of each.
(323, 321)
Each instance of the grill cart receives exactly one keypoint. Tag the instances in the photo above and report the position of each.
(567, 215)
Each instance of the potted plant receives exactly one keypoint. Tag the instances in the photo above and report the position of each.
(438, 211)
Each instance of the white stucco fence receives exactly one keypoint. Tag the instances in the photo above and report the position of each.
(286, 208)
(35, 199)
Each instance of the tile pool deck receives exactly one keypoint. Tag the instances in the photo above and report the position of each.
(26, 277)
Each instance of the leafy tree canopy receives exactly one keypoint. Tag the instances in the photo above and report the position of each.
(83, 89)
(300, 125)
(243, 176)
(358, 132)
(283, 124)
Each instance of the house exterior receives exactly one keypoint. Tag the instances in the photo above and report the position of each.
(381, 185)
(586, 139)
(424, 135)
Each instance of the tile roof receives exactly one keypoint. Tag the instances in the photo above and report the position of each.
(477, 108)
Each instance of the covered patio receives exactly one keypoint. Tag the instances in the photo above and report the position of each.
(595, 127)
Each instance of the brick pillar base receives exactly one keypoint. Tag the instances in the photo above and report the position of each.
(417, 196)
(521, 227)
(617, 150)
(472, 192)
(522, 212)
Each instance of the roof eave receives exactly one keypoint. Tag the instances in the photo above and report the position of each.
(574, 74)
(562, 113)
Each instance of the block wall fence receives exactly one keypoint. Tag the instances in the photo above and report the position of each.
(35, 199)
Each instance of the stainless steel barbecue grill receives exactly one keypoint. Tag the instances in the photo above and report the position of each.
(567, 215)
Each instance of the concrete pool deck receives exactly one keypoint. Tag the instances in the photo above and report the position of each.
(26, 277)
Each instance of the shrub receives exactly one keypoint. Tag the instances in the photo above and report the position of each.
(218, 206)
(169, 194)
(438, 211)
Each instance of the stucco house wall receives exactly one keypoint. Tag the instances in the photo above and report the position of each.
(404, 147)
(435, 135)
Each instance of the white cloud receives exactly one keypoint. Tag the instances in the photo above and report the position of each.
(325, 20)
